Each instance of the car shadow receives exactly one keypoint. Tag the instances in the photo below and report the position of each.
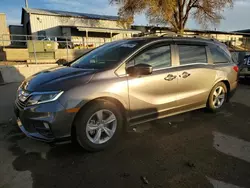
(10, 74)
(171, 152)
(7, 99)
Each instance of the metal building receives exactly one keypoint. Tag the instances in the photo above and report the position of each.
(79, 27)
(4, 32)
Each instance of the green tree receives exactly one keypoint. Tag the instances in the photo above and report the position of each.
(174, 12)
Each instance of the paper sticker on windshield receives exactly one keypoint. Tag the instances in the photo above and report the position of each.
(129, 45)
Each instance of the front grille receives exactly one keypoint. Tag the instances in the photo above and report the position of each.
(21, 105)
(21, 99)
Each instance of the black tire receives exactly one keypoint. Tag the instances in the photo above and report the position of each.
(83, 117)
(210, 105)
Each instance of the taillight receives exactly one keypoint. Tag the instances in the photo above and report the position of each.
(236, 68)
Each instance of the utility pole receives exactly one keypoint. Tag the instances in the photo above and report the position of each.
(26, 4)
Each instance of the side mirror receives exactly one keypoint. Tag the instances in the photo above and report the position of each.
(139, 69)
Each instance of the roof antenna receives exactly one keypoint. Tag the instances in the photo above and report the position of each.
(26, 4)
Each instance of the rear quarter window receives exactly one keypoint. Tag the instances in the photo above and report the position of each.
(219, 55)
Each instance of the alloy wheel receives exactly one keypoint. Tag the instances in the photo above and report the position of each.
(219, 96)
(101, 126)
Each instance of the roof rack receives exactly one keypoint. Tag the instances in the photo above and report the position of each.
(189, 36)
(170, 35)
(202, 37)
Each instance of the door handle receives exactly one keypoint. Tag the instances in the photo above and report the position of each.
(185, 74)
(170, 77)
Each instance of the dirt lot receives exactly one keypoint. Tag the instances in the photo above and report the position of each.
(196, 149)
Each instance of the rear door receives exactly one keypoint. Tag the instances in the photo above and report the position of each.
(196, 75)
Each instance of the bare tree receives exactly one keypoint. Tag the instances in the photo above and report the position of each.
(175, 12)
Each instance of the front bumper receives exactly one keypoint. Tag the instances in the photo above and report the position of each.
(34, 135)
(48, 122)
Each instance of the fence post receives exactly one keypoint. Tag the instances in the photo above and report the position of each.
(34, 50)
(83, 43)
(26, 39)
(1, 49)
(67, 49)
(87, 36)
(111, 35)
(2, 40)
(245, 45)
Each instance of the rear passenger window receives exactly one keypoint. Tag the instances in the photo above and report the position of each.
(219, 55)
(192, 54)
(157, 56)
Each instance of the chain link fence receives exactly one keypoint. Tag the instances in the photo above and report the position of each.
(40, 49)
(23, 49)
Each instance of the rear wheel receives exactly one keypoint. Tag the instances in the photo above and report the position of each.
(99, 125)
(217, 97)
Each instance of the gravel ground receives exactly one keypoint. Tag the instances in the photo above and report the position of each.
(196, 149)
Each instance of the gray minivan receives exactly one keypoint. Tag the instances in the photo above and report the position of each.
(124, 83)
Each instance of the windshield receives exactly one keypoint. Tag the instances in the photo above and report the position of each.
(107, 56)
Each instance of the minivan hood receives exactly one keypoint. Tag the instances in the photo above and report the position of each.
(57, 78)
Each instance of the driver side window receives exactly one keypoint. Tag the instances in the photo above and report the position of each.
(157, 56)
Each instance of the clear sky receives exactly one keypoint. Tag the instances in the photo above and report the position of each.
(235, 19)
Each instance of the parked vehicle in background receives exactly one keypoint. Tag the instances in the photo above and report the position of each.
(245, 67)
(122, 83)
(239, 56)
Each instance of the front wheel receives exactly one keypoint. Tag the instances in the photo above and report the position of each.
(217, 97)
(99, 125)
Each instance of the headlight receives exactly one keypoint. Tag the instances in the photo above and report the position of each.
(43, 97)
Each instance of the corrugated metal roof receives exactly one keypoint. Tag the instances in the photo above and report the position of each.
(71, 14)
(106, 30)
